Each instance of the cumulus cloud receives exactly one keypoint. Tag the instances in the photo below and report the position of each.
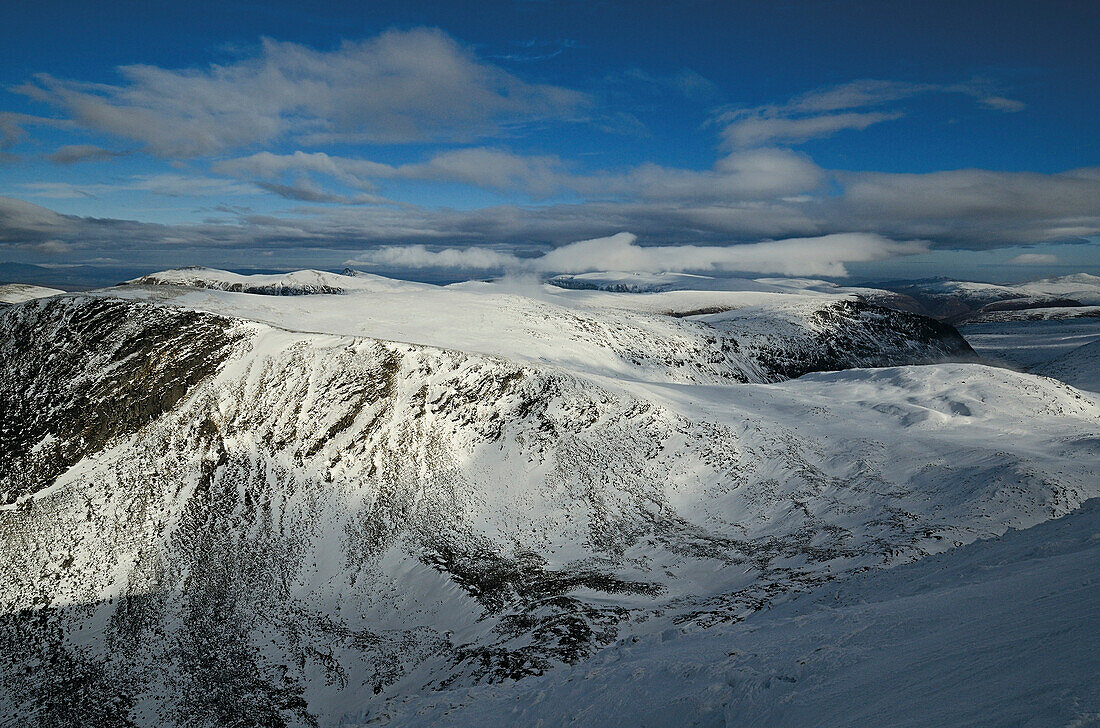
(755, 174)
(401, 86)
(961, 209)
(824, 255)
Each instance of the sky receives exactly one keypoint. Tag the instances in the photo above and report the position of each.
(835, 138)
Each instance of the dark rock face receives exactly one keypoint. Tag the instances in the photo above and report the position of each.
(83, 372)
(849, 334)
(865, 335)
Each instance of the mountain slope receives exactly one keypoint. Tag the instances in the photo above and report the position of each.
(297, 283)
(19, 292)
(958, 301)
(1000, 632)
(1079, 367)
(663, 336)
(280, 520)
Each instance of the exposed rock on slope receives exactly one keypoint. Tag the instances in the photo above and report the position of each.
(82, 372)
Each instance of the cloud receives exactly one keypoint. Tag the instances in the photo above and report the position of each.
(755, 174)
(265, 165)
(856, 94)
(49, 247)
(759, 130)
(976, 208)
(1034, 259)
(419, 256)
(72, 153)
(23, 222)
(12, 131)
(398, 87)
(685, 82)
(167, 185)
(535, 49)
(960, 209)
(824, 255)
(494, 169)
(304, 190)
(479, 166)
(1000, 103)
(752, 174)
(824, 112)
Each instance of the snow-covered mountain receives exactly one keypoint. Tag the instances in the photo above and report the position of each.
(388, 504)
(297, 283)
(663, 336)
(619, 282)
(19, 292)
(958, 301)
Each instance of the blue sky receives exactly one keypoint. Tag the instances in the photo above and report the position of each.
(878, 139)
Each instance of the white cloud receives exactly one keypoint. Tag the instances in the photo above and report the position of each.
(401, 86)
(12, 130)
(824, 255)
(49, 247)
(758, 130)
(419, 256)
(1000, 103)
(745, 175)
(268, 166)
(824, 112)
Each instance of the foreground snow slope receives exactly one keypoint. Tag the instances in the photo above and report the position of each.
(232, 509)
(997, 633)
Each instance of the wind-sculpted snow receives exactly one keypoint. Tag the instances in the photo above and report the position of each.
(271, 517)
